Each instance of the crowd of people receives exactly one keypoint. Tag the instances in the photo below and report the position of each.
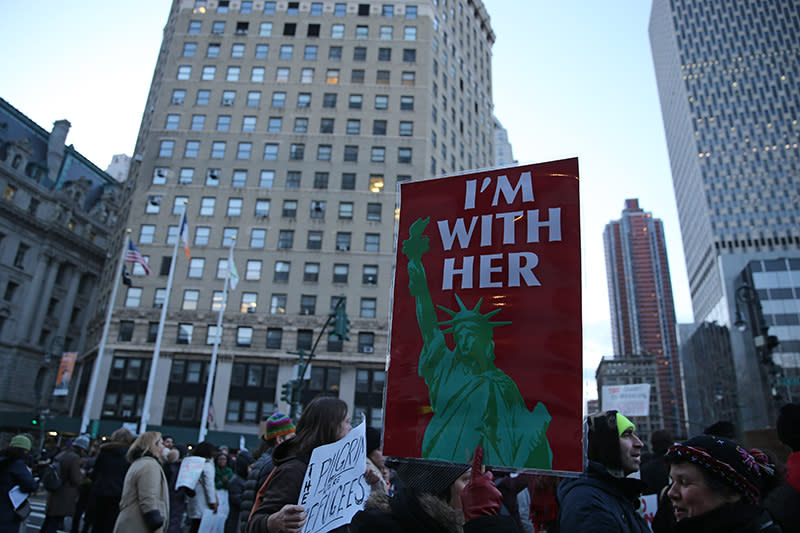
(707, 483)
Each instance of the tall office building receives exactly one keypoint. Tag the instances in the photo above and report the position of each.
(642, 308)
(287, 126)
(727, 76)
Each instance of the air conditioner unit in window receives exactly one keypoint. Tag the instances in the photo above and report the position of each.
(367, 349)
(372, 279)
(343, 247)
(227, 101)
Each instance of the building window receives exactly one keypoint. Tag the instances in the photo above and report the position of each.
(351, 153)
(385, 33)
(208, 73)
(237, 51)
(152, 332)
(378, 154)
(289, 29)
(297, 151)
(409, 55)
(353, 127)
(267, 178)
(228, 236)
(262, 208)
(190, 299)
(234, 207)
(233, 74)
(310, 52)
(406, 128)
(346, 210)
(308, 304)
(218, 150)
(249, 303)
(213, 335)
(408, 79)
(198, 122)
(369, 275)
(314, 241)
(317, 209)
(357, 76)
(381, 101)
(133, 297)
(146, 233)
(262, 50)
(178, 96)
(384, 54)
(258, 238)
(368, 308)
(196, 265)
(329, 100)
(339, 9)
(253, 271)
(253, 98)
(343, 241)
(300, 125)
(293, 178)
(282, 74)
(320, 180)
(305, 337)
(311, 272)
(376, 183)
(286, 51)
(337, 31)
(324, 152)
(374, 211)
(406, 103)
(410, 33)
(153, 205)
(379, 127)
(348, 181)
(270, 151)
(243, 151)
(213, 50)
(372, 242)
(387, 10)
(223, 122)
(257, 74)
(340, 273)
(194, 27)
(382, 77)
(279, 99)
(125, 331)
(244, 336)
(184, 334)
(307, 75)
(248, 124)
(366, 342)
(411, 12)
(274, 338)
(202, 234)
(207, 205)
(289, 209)
(166, 148)
(218, 27)
(172, 122)
(184, 72)
(404, 155)
(285, 239)
(355, 101)
(160, 295)
(277, 304)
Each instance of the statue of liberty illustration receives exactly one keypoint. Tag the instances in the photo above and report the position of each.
(473, 402)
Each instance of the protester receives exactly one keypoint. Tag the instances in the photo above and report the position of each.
(222, 477)
(603, 498)
(235, 491)
(277, 428)
(324, 420)
(784, 502)
(654, 472)
(108, 477)
(61, 502)
(436, 498)
(14, 472)
(144, 506)
(377, 474)
(177, 496)
(716, 486)
(205, 495)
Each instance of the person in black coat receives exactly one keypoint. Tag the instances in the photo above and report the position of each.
(14, 472)
(108, 476)
(784, 502)
(604, 498)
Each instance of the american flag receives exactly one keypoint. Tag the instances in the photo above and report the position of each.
(133, 256)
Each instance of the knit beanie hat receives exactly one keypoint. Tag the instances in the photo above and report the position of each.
(744, 471)
(82, 442)
(427, 476)
(788, 425)
(20, 441)
(278, 424)
(605, 429)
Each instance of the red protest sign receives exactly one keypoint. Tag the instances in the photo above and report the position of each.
(486, 325)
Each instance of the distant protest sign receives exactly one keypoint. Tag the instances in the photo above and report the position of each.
(486, 335)
(334, 488)
(631, 400)
(190, 471)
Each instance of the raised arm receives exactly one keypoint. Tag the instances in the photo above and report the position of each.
(414, 248)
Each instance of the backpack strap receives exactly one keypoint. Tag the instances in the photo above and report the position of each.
(260, 494)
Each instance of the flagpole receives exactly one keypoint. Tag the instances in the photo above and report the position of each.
(87, 407)
(148, 396)
(218, 336)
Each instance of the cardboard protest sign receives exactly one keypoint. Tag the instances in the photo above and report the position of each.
(190, 471)
(486, 327)
(334, 488)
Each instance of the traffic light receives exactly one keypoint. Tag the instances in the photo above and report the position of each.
(287, 392)
(34, 421)
(126, 277)
(341, 324)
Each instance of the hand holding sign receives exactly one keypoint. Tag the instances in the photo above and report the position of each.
(291, 519)
(480, 497)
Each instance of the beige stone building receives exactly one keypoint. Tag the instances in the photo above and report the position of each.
(287, 126)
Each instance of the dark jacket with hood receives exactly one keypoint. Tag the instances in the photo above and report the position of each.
(259, 473)
(13, 472)
(109, 470)
(408, 510)
(598, 501)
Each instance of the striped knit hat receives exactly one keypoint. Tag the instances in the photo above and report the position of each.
(278, 424)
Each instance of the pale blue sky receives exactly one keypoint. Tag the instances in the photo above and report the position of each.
(571, 78)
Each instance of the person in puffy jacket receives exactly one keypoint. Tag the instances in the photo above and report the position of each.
(14, 472)
(604, 498)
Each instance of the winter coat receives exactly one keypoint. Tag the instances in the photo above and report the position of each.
(109, 470)
(235, 491)
(784, 502)
(177, 498)
(259, 472)
(598, 501)
(283, 487)
(144, 506)
(13, 472)
(205, 494)
(62, 502)
(410, 511)
(736, 517)
(222, 476)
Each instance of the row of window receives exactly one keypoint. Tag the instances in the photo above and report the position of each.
(244, 151)
(244, 338)
(293, 8)
(313, 29)
(405, 128)
(266, 179)
(286, 51)
(262, 209)
(329, 100)
(282, 75)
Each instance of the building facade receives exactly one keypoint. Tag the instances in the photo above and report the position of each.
(503, 152)
(58, 213)
(118, 168)
(287, 127)
(634, 369)
(726, 76)
(642, 307)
